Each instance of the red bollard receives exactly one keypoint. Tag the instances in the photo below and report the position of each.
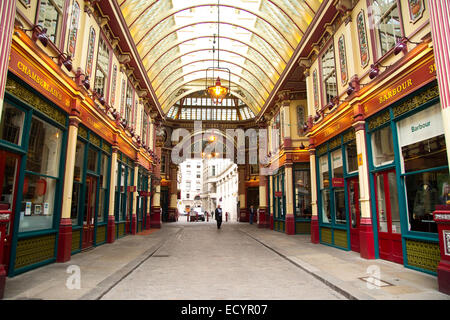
(207, 217)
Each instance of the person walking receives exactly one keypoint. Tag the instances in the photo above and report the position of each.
(218, 215)
(252, 214)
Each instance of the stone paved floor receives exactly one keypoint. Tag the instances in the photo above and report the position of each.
(197, 261)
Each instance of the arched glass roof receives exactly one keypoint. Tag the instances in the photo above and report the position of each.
(174, 39)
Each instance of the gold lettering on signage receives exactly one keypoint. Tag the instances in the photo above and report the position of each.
(432, 68)
(395, 91)
(44, 84)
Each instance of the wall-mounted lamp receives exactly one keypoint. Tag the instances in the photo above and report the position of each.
(375, 70)
(39, 33)
(302, 146)
(401, 45)
(64, 59)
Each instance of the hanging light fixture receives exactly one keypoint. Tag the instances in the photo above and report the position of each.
(216, 91)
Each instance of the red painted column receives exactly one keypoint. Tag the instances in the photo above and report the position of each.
(7, 14)
(262, 220)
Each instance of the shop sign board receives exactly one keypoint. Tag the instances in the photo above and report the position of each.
(38, 80)
(421, 126)
(418, 78)
(337, 182)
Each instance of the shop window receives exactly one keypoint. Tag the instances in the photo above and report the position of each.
(103, 192)
(92, 160)
(44, 148)
(129, 104)
(425, 167)
(338, 188)
(11, 125)
(382, 146)
(42, 172)
(101, 73)
(329, 74)
(77, 179)
(302, 191)
(386, 20)
(50, 16)
(352, 156)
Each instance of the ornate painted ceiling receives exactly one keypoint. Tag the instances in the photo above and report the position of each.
(257, 39)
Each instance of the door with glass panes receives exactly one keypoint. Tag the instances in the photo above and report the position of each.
(388, 216)
(89, 211)
(9, 174)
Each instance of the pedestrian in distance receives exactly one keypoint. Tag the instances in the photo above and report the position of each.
(252, 214)
(218, 215)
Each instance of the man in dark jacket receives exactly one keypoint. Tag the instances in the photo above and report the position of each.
(218, 214)
(252, 214)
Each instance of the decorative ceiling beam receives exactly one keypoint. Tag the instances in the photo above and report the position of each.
(258, 15)
(222, 37)
(211, 60)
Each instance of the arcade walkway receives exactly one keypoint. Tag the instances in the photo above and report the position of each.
(197, 261)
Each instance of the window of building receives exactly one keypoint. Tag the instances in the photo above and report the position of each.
(77, 182)
(425, 167)
(129, 104)
(188, 195)
(382, 146)
(387, 24)
(74, 22)
(329, 74)
(41, 176)
(101, 73)
(302, 192)
(50, 17)
(12, 123)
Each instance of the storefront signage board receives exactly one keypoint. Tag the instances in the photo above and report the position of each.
(38, 80)
(421, 126)
(418, 78)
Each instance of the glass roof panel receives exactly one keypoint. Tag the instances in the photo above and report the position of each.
(174, 39)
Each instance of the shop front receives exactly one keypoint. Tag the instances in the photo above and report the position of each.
(32, 146)
(142, 203)
(409, 178)
(338, 186)
(90, 193)
(124, 194)
(279, 201)
(302, 198)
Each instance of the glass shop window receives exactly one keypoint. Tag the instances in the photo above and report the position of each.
(103, 192)
(386, 18)
(11, 125)
(50, 16)
(41, 174)
(352, 156)
(382, 146)
(302, 190)
(92, 161)
(424, 160)
(339, 192)
(324, 186)
(77, 177)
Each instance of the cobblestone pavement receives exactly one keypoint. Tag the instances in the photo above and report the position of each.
(240, 261)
